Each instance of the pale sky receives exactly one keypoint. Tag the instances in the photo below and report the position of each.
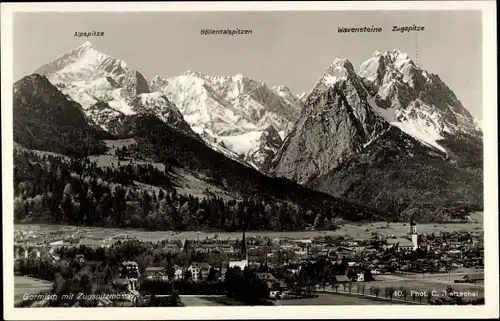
(285, 48)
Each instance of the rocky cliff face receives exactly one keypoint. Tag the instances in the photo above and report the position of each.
(270, 142)
(416, 101)
(44, 118)
(335, 124)
(157, 104)
(388, 136)
(134, 84)
(230, 113)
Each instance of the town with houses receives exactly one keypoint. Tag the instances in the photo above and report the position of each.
(289, 269)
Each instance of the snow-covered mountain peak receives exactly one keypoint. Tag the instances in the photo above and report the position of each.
(230, 112)
(393, 67)
(416, 101)
(82, 64)
(282, 90)
(344, 62)
(397, 59)
(340, 69)
(192, 73)
(339, 72)
(87, 45)
(238, 77)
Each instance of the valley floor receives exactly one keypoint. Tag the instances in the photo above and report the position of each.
(358, 231)
(25, 285)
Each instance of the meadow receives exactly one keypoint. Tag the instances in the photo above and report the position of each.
(357, 231)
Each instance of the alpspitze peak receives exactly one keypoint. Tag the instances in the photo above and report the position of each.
(86, 45)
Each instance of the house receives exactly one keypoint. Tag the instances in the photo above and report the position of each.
(205, 247)
(226, 248)
(178, 272)
(93, 243)
(20, 252)
(199, 271)
(171, 248)
(35, 254)
(205, 271)
(266, 276)
(122, 285)
(132, 269)
(242, 264)
(341, 278)
(401, 244)
(156, 273)
(291, 272)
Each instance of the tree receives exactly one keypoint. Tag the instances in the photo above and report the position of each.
(86, 284)
(429, 296)
(174, 299)
(318, 221)
(389, 292)
(376, 291)
(211, 275)
(368, 276)
(404, 292)
(188, 275)
(58, 283)
(170, 271)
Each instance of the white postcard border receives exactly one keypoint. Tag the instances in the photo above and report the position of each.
(490, 309)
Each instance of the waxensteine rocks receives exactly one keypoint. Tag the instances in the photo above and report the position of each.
(389, 137)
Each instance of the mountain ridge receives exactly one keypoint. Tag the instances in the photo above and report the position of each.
(392, 110)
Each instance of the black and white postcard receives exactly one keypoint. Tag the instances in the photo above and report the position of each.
(249, 160)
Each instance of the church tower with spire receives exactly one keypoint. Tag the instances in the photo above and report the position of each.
(413, 233)
(243, 250)
(242, 263)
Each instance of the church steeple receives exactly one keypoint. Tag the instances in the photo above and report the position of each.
(244, 253)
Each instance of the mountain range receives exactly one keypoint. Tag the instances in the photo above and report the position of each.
(390, 136)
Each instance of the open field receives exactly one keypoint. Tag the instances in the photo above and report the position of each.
(337, 299)
(199, 301)
(420, 283)
(209, 301)
(429, 282)
(28, 285)
(356, 230)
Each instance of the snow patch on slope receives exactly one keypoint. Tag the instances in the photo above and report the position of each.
(423, 130)
(230, 112)
(242, 144)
